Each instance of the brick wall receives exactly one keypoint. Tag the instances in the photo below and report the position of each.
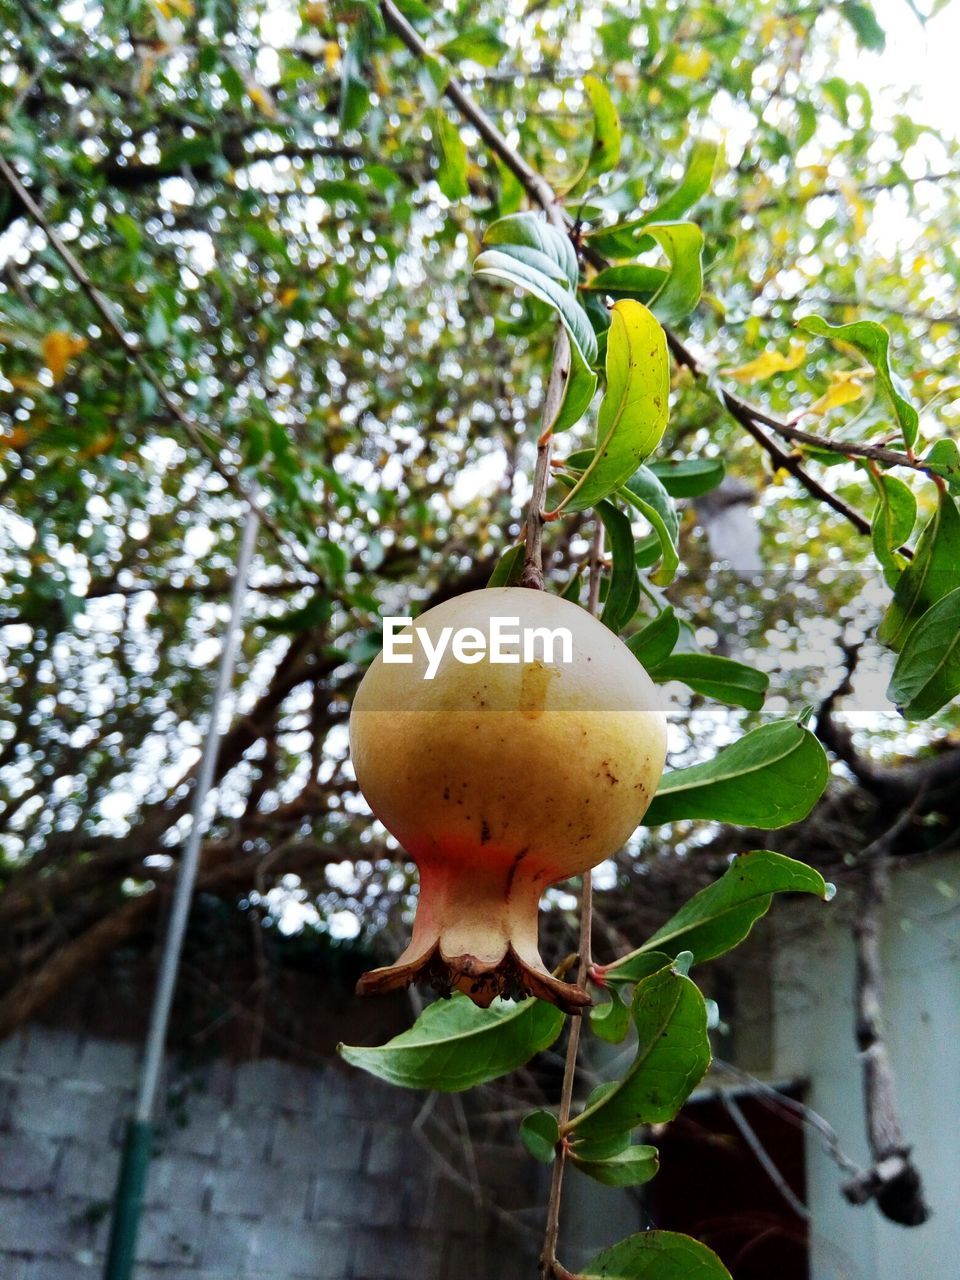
(263, 1169)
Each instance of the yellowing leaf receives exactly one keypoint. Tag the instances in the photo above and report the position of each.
(769, 363)
(692, 65)
(261, 99)
(288, 297)
(58, 349)
(857, 208)
(316, 14)
(845, 387)
(331, 54)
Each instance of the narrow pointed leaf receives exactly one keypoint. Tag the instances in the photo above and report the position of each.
(682, 242)
(715, 677)
(893, 520)
(656, 1255)
(771, 777)
(605, 148)
(720, 916)
(655, 642)
(927, 673)
(452, 157)
(633, 412)
(454, 1045)
(873, 341)
(933, 572)
(695, 183)
(645, 492)
(623, 595)
(511, 262)
(508, 568)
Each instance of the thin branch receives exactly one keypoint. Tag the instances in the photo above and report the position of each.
(130, 347)
(763, 1156)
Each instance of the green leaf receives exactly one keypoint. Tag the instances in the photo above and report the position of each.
(933, 572)
(695, 183)
(627, 239)
(943, 457)
(682, 242)
(605, 149)
(354, 94)
(508, 567)
(610, 1020)
(688, 477)
(452, 157)
(454, 1045)
(771, 777)
(478, 44)
(129, 229)
(540, 1133)
(635, 966)
(719, 917)
(673, 1053)
(524, 233)
(656, 1255)
(634, 409)
(628, 280)
(927, 672)
(893, 519)
(655, 642)
(645, 492)
(864, 22)
(530, 231)
(872, 341)
(628, 1168)
(720, 678)
(623, 595)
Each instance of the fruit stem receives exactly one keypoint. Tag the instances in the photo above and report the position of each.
(550, 1268)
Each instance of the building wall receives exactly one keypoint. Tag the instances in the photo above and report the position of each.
(263, 1169)
(813, 1028)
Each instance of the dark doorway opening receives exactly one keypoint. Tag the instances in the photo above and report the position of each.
(713, 1186)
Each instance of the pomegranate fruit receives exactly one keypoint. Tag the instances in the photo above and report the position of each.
(502, 777)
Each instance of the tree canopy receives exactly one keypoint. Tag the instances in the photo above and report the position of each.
(275, 210)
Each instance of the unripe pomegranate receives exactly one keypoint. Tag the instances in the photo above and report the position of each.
(502, 778)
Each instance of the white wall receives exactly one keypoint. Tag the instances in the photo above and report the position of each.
(814, 1039)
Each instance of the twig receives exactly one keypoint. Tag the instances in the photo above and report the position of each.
(762, 1155)
(777, 1099)
(550, 1269)
(130, 347)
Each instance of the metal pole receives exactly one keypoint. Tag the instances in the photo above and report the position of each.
(128, 1201)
